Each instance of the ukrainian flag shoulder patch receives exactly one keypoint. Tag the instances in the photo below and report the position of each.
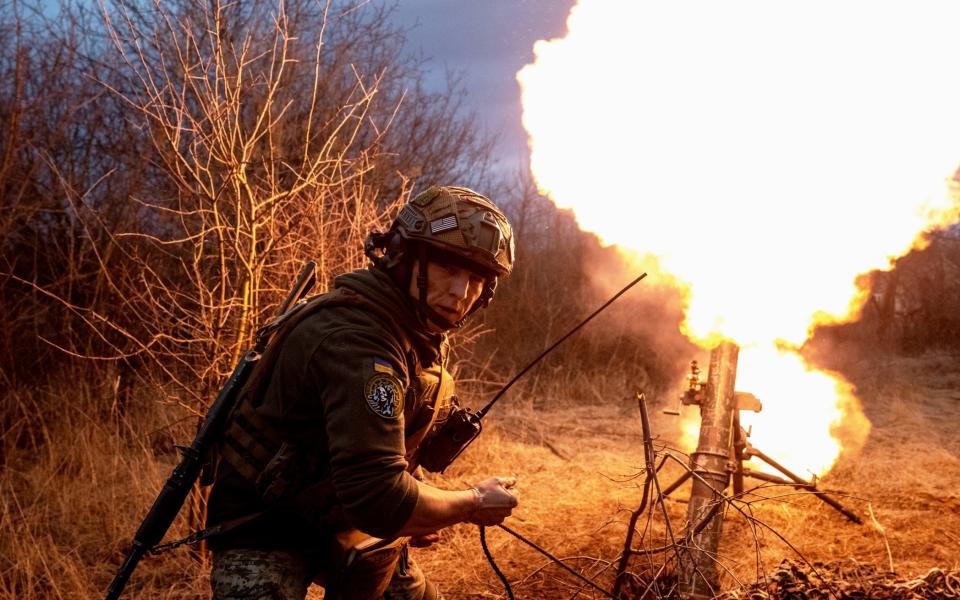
(383, 366)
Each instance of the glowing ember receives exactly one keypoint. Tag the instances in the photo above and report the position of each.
(767, 154)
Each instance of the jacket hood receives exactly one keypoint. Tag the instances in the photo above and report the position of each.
(397, 306)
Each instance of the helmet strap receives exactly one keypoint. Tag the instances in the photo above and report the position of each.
(426, 312)
(422, 279)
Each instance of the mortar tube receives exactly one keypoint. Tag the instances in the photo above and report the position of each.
(698, 573)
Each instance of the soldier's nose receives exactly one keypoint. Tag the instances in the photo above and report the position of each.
(459, 285)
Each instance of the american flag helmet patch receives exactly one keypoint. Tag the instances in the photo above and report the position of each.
(443, 224)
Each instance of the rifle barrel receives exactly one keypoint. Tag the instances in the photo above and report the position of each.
(305, 281)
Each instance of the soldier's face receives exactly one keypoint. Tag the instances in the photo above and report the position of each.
(451, 289)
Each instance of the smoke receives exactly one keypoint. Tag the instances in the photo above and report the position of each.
(647, 318)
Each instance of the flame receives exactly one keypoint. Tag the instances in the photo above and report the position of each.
(767, 154)
(800, 426)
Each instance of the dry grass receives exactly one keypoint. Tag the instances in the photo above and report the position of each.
(75, 481)
(576, 506)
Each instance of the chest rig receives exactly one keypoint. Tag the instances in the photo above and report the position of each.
(280, 469)
(430, 398)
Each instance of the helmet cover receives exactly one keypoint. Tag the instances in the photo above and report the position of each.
(462, 223)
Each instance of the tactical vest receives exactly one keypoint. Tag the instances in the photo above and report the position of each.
(283, 472)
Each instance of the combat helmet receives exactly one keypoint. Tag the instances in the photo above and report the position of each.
(448, 223)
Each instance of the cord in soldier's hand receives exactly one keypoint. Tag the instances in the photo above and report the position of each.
(494, 500)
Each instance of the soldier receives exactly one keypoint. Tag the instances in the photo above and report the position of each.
(323, 449)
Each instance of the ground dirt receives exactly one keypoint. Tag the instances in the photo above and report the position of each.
(71, 498)
(580, 471)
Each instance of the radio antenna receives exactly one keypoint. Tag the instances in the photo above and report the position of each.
(523, 371)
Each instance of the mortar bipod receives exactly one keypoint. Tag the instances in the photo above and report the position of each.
(741, 450)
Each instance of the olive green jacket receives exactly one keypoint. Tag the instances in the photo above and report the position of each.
(355, 386)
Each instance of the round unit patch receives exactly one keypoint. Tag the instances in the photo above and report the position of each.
(384, 397)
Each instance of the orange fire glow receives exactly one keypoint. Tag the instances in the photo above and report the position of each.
(767, 154)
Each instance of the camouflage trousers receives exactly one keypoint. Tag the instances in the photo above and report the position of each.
(247, 574)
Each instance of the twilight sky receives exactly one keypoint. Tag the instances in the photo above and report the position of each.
(487, 41)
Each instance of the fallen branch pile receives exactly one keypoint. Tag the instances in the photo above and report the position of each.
(847, 580)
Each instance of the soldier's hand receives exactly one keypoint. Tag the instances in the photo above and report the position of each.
(424, 541)
(495, 501)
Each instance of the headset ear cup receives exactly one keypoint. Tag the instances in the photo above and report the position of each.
(375, 241)
(394, 250)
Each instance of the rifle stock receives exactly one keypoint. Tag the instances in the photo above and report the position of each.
(174, 492)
